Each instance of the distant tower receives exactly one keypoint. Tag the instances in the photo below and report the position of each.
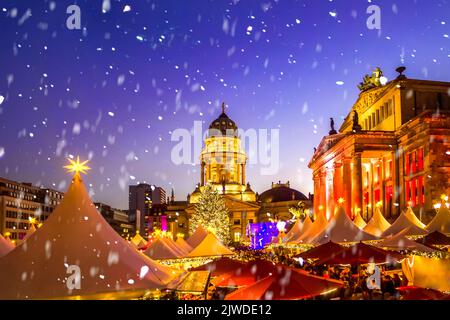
(223, 160)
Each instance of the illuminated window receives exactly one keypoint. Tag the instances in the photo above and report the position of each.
(237, 237)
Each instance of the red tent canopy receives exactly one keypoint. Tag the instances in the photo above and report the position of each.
(361, 254)
(326, 250)
(435, 239)
(288, 284)
(417, 293)
(248, 274)
(220, 266)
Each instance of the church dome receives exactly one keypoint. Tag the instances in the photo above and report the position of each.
(223, 124)
(281, 192)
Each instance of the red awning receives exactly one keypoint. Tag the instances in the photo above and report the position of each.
(288, 284)
(362, 254)
(324, 251)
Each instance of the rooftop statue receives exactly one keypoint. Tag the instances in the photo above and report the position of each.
(373, 81)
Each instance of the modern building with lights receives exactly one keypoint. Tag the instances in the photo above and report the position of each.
(22, 204)
(393, 149)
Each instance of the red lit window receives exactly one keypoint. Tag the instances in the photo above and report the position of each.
(408, 191)
(420, 159)
(413, 162)
(421, 189)
(377, 195)
(413, 192)
(407, 164)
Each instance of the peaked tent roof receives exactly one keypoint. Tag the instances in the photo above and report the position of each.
(359, 221)
(30, 232)
(328, 249)
(401, 242)
(294, 232)
(175, 246)
(248, 274)
(341, 229)
(160, 249)
(435, 239)
(197, 237)
(306, 226)
(5, 246)
(77, 236)
(361, 253)
(220, 266)
(406, 220)
(377, 224)
(183, 245)
(210, 246)
(441, 221)
(315, 228)
(138, 241)
(289, 284)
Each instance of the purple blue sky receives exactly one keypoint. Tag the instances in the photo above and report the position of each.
(115, 91)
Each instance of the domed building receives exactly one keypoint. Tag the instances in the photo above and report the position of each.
(277, 202)
(223, 166)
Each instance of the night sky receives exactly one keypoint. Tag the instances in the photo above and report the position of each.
(115, 90)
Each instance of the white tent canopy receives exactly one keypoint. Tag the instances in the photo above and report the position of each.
(76, 242)
(197, 237)
(183, 245)
(138, 241)
(406, 220)
(210, 246)
(441, 221)
(175, 246)
(377, 224)
(359, 221)
(30, 232)
(401, 242)
(341, 229)
(161, 249)
(294, 232)
(309, 232)
(5, 246)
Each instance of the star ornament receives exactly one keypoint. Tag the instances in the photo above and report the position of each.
(77, 166)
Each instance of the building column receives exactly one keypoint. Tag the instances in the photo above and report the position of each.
(202, 182)
(330, 193)
(316, 179)
(243, 173)
(337, 181)
(399, 194)
(357, 189)
(323, 191)
(347, 185)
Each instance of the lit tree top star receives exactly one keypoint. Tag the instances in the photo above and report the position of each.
(77, 166)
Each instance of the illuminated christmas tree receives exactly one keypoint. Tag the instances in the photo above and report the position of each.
(212, 214)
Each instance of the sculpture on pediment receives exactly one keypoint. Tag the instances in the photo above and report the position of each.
(372, 81)
(356, 126)
(332, 131)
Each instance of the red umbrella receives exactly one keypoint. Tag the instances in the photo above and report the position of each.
(361, 254)
(248, 274)
(288, 284)
(220, 266)
(324, 251)
(417, 293)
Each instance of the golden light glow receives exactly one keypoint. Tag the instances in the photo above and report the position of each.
(7, 234)
(444, 197)
(379, 204)
(77, 166)
(341, 200)
(32, 220)
(321, 207)
(409, 203)
(437, 206)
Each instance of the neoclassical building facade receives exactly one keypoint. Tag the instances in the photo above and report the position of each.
(393, 149)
